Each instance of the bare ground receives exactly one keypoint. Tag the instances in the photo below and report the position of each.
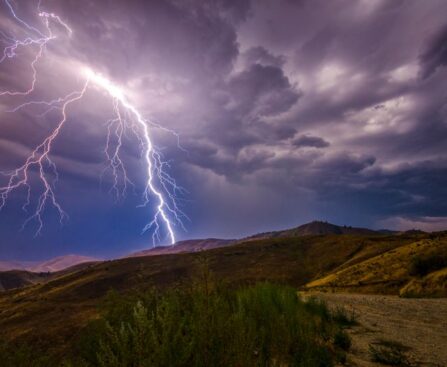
(419, 324)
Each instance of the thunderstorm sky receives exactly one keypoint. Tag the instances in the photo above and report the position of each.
(288, 111)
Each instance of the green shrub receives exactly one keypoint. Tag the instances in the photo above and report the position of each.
(343, 317)
(342, 340)
(261, 325)
(423, 265)
(12, 355)
(389, 352)
(203, 324)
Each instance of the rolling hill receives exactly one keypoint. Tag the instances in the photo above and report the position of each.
(316, 228)
(412, 270)
(309, 229)
(54, 307)
(61, 263)
(185, 246)
(20, 278)
(52, 265)
(36, 312)
(17, 265)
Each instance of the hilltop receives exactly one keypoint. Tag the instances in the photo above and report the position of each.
(309, 229)
(316, 228)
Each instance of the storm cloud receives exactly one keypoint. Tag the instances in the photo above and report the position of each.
(287, 111)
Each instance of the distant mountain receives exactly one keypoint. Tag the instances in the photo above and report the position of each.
(315, 228)
(16, 265)
(308, 229)
(20, 278)
(195, 245)
(185, 246)
(60, 263)
(52, 265)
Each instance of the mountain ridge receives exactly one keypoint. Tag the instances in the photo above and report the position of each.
(312, 228)
(51, 265)
(316, 227)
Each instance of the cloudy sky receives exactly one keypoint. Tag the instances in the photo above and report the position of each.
(287, 111)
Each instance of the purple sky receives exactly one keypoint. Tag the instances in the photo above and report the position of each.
(289, 111)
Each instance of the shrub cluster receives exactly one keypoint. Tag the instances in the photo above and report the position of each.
(205, 324)
(262, 325)
(388, 352)
(423, 265)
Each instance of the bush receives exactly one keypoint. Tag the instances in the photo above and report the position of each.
(261, 325)
(388, 352)
(12, 355)
(342, 340)
(342, 317)
(423, 265)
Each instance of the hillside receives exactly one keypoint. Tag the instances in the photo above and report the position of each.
(412, 270)
(35, 312)
(20, 278)
(52, 265)
(309, 229)
(62, 262)
(13, 279)
(185, 246)
(16, 265)
(316, 228)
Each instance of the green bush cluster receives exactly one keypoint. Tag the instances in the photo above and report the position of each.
(423, 265)
(388, 352)
(22, 355)
(205, 324)
(261, 325)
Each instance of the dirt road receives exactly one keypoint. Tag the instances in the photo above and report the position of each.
(419, 324)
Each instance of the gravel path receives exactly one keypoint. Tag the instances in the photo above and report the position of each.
(419, 324)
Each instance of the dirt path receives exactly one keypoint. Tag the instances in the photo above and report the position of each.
(419, 324)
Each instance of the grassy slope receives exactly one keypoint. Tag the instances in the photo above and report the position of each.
(389, 272)
(19, 278)
(55, 311)
(12, 279)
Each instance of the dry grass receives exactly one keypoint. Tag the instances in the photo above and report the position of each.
(390, 272)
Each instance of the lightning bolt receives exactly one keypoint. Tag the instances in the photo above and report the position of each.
(159, 184)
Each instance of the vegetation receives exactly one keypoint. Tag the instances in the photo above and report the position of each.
(205, 325)
(423, 265)
(413, 269)
(389, 352)
(344, 318)
(51, 315)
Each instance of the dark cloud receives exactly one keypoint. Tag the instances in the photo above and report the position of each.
(435, 55)
(261, 91)
(310, 141)
(259, 55)
(359, 86)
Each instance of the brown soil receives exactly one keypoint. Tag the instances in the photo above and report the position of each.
(419, 324)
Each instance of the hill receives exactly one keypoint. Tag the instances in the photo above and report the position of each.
(60, 263)
(309, 229)
(17, 265)
(37, 311)
(20, 278)
(412, 270)
(185, 246)
(52, 265)
(316, 228)
(14, 279)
